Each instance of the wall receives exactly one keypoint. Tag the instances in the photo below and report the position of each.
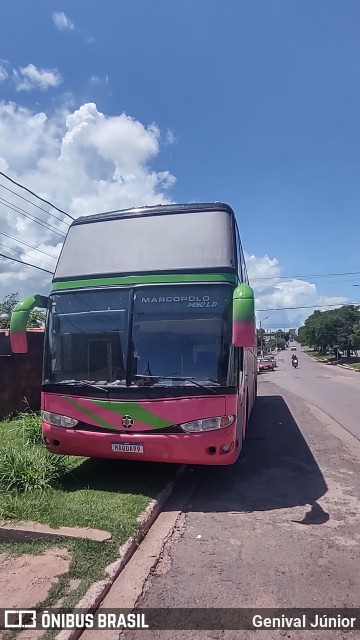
(20, 374)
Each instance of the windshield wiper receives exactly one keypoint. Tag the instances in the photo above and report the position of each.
(176, 378)
(85, 383)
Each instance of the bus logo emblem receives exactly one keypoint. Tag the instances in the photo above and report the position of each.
(127, 422)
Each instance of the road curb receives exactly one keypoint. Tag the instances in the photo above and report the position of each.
(97, 591)
(36, 530)
(346, 366)
(334, 363)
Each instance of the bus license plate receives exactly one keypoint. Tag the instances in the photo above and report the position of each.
(128, 447)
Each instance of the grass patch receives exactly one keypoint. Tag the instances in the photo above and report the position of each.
(353, 361)
(29, 469)
(321, 356)
(63, 491)
(28, 425)
(103, 494)
(25, 465)
(355, 365)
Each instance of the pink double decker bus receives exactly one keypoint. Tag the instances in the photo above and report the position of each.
(150, 349)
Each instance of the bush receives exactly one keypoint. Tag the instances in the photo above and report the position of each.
(9, 506)
(29, 426)
(29, 468)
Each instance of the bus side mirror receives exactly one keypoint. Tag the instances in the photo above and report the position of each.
(19, 320)
(243, 327)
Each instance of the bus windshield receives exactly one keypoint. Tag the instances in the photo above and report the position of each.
(179, 331)
(87, 337)
(183, 331)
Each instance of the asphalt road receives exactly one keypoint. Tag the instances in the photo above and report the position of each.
(331, 388)
(281, 528)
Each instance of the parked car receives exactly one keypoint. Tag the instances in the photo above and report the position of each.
(272, 358)
(265, 364)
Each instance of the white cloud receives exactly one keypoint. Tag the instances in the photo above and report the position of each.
(275, 293)
(84, 162)
(97, 80)
(262, 267)
(3, 73)
(170, 137)
(61, 21)
(30, 77)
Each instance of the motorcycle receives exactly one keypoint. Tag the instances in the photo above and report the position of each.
(295, 364)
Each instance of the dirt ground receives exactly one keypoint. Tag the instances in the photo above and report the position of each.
(27, 579)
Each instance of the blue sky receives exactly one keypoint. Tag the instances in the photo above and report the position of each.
(256, 103)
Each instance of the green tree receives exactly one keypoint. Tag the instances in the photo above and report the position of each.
(333, 329)
(319, 331)
(355, 336)
(36, 318)
(346, 319)
(301, 336)
(281, 338)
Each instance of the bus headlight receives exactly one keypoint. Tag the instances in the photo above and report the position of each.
(207, 424)
(57, 420)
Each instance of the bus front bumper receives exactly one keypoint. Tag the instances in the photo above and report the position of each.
(217, 447)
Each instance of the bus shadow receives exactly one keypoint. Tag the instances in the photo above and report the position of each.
(119, 476)
(275, 470)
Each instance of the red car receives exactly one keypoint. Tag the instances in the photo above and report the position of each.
(266, 364)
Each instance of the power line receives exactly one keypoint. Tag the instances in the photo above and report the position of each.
(35, 194)
(312, 306)
(309, 275)
(15, 207)
(25, 263)
(6, 246)
(27, 244)
(33, 204)
(31, 217)
(269, 284)
(334, 281)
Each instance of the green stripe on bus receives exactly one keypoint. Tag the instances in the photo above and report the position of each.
(151, 279)
(90, 414)
(135, 410)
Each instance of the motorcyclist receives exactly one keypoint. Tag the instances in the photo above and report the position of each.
(294, 360)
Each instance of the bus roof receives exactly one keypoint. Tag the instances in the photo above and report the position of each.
(163, 238)
(156, 210)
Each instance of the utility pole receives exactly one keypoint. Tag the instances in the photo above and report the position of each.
(261, 336)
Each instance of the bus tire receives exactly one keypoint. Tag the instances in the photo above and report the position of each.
(241, 442)
(244, 432)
